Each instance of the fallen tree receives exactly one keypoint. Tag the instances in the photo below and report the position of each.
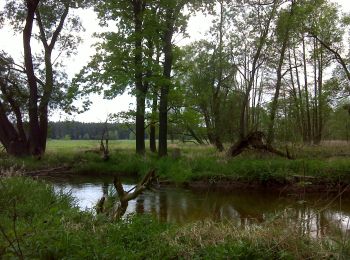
(255, 140)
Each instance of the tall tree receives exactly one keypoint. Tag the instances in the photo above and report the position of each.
(264, 28)
(284, 25)
(174, 20)
(50, 18)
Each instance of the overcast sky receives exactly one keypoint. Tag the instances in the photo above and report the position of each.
(100, 108)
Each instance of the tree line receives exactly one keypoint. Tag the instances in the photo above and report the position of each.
(72, 130)
(278, 67)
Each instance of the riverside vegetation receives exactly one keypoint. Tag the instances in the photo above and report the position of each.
(36, 222)
(328, 165)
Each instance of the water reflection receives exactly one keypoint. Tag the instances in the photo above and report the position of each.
(314, 215)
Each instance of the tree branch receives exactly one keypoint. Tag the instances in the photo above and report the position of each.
(338, 57)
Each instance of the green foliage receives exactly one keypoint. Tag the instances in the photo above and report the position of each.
(51, 13)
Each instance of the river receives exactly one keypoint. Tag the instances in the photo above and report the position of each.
(316, 214)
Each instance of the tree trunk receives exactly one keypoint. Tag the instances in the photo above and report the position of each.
(163, 121)
(141, 91)
(149, 73)
(49, 77)
(295, 97)
(164, 90)
(10, 139)
(152, 135)
(140, 122)
(216, 95)
(320, 119)
(271, 132)
(308, 118)
(43, 107)
(34, 137)
(301, 104)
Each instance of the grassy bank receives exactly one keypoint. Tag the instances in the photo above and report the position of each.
(328, 164)
(37, 223)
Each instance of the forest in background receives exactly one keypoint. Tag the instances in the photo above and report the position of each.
(71, 130)
(337, 127)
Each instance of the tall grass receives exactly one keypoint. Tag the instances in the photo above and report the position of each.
(276, 240)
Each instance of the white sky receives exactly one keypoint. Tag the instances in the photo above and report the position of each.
(12, 44)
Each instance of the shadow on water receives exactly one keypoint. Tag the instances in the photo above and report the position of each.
(314, 214)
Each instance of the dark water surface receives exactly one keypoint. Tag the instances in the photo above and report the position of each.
(317, 214)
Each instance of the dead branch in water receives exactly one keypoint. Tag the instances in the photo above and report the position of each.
(125, 196)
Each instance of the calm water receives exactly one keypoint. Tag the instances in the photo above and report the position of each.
(316, 214)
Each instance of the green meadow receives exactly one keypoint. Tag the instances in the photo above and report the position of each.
(188, 163)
